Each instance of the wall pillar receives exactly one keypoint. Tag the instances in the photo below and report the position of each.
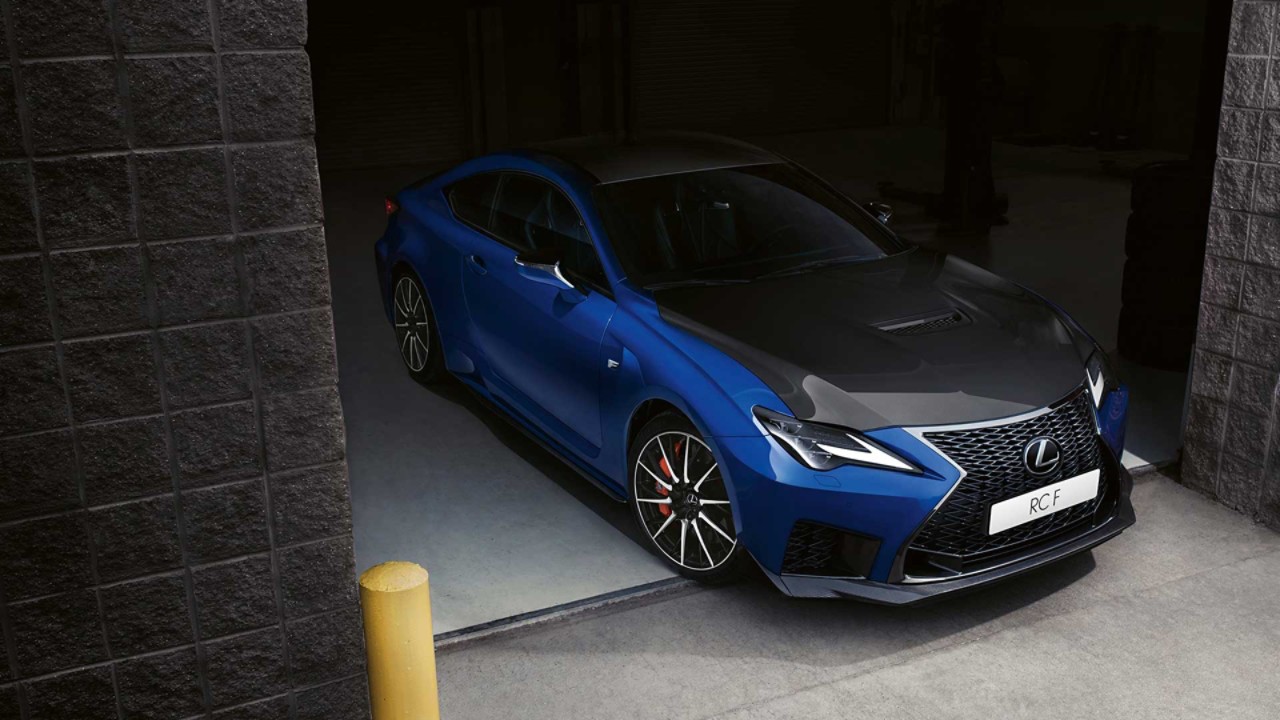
(1232, 436)
(175, 533)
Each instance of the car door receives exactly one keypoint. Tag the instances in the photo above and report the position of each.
(541, 342)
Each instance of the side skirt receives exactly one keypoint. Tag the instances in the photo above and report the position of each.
(512, 418)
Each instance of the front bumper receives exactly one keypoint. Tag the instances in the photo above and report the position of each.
(912, 593)
(774, 495)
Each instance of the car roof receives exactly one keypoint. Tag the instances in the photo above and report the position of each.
(610, 159)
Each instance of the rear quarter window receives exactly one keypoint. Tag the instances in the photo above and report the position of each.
(472, 198)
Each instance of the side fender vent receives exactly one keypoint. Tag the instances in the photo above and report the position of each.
(921, 326)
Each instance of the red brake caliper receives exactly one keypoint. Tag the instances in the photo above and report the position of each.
(666, 509)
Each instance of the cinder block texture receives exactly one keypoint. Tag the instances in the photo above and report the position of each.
(165, 25)
(175, 520)
(85, 200)
(147, 615)
(17, 215)
(174, 100)
(166, 685)
(269, 96)
(235, 596)
(46, 462)
(24, 308)
(74, 105)
(10, 130)
(182, 193)
(1232, 434)
(61, 27)
(195, 280)
(263, 23)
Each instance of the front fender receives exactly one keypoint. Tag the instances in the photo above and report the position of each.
(714, 391)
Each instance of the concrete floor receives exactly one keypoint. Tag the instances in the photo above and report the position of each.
(1176, 618)
(502, 526)
(505, 529)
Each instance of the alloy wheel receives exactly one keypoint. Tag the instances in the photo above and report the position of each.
(413, 329)
(683, 502)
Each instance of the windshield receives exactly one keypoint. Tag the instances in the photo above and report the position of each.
(734, 225)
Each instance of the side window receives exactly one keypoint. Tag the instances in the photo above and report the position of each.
(472, 198)
(534, 215)
(521, 197)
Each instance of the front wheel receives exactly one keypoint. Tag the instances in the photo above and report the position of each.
(681, 501)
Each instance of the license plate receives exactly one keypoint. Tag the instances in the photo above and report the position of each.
(1045, 501)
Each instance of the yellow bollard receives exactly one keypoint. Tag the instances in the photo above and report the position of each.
(397, 636)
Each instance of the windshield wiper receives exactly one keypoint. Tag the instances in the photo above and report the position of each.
(806, 266)
(697, 282)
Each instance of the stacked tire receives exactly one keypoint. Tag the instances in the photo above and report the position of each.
(1164, 261)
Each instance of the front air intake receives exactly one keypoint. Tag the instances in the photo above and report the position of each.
(816, 549)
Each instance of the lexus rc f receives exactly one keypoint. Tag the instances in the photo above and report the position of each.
(760, 366)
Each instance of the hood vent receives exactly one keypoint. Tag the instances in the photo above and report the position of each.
(921, 326)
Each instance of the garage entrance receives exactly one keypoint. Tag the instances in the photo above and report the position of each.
(1073, 102)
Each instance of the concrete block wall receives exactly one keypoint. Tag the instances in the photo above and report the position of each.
(175, 532)
(1232, 436)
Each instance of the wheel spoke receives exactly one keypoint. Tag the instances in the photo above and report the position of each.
(705, 475)
(404, 345)
(663, 483)
(684, 533)
(422, 350)
(653, 501)
(710, 561)
(665, 460)
(402, 302)
(713, 502)
(688, 450)
(670, 519)
(707, 520)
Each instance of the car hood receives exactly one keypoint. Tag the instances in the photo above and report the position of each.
(919, 338)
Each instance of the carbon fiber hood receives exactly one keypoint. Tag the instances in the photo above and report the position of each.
(920, 338)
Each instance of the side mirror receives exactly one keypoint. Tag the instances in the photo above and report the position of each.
(882, 211)
(542, 266)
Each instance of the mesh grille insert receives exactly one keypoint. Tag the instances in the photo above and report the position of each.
(817, 549)
(992, 460)
(927, 325)
(809, 548)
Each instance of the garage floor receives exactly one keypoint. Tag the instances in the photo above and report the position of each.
(1176, 618)
(505, 529)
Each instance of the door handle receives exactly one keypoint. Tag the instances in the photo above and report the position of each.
(477, 264)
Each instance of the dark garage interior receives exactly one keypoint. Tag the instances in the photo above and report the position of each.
(1058, 116)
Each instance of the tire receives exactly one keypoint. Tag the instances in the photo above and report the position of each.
(696, 536)
(415, 327)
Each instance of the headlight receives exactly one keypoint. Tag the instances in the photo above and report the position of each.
(1101, 378)
(822, 447)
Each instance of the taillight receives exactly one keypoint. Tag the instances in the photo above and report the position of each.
(392, 207)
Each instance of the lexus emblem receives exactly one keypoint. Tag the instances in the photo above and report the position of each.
(1042, 456)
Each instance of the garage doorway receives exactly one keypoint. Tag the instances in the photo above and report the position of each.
(854, 91)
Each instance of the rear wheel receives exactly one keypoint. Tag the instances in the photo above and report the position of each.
(416, 330)
(681, 501)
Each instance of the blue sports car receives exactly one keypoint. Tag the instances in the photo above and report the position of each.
(760, 366)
